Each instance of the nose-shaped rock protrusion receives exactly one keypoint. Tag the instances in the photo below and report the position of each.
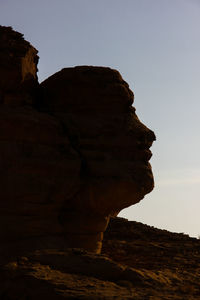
(146, 138)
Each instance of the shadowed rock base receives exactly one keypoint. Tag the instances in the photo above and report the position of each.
(91, 242)
(139, 262)
(85, 231)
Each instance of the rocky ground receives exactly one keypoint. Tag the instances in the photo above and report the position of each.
(137, 262)
(168, 263)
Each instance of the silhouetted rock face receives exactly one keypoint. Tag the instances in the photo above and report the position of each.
(72, 151)
(94, 104)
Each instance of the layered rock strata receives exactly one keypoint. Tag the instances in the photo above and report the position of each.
(72, 152)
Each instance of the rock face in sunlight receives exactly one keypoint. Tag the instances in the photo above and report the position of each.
(73, 152)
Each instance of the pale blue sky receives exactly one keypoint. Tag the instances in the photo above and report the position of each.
(155, 44)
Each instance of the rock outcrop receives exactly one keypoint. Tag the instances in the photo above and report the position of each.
(137, 262)
(72, 151)
(18, 68)
(94, 106)
(73, 154)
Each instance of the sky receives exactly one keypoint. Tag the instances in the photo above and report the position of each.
(155, 45)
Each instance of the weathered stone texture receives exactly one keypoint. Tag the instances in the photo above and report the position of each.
(94, 104)
(138, 262)
(18, 68)
(39, 169)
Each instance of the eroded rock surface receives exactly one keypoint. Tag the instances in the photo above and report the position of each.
(72, 151)
(137, 262)
(94, 105)
(18, 68)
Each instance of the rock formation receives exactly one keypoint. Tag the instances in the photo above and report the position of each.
(93, 104)
(138, 262)
(73, 152)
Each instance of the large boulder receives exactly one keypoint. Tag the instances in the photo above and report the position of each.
(94, 105)
(72, 152)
